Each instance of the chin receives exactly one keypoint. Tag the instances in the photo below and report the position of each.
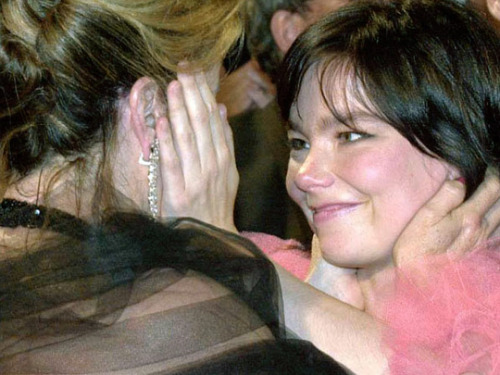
(354, 256)
(342, 257)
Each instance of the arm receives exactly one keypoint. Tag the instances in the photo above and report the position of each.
(350, 336)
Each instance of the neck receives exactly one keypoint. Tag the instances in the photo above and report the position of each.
(376, 285)
(62, 184)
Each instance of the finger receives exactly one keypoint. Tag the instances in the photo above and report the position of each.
(173, 183)
(206, 93)
(447, 198)
(258, 79)
(485, 196)
(262, 80)
(492, 218)
(483, 207)
(200, 108)
(182, 133)
(228, 132)
(217, 122)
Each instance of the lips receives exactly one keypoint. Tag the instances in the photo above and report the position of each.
(332, 211)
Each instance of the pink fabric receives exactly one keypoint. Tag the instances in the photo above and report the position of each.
(289, 254)
(448, 324)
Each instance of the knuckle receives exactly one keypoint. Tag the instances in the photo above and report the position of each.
(210, 170)
(185, 137)
(203, 117)
(472, 223)
(212, 108)
(224, 155)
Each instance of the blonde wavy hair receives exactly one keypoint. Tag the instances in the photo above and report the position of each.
(65, 63)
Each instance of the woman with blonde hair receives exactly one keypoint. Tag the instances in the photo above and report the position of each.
(96, 275)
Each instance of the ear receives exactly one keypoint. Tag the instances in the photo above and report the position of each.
(286, 26)
(453, 173)
(147, 103)
(494, 9)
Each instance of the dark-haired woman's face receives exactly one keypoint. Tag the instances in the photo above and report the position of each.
(357, 187)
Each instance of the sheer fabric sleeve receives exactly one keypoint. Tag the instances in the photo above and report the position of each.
(133, 296)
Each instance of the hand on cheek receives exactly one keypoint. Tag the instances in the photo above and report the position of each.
(198, 170)
(447, 224)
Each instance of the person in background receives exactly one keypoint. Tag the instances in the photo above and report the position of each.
(244, 86)
(490, 9)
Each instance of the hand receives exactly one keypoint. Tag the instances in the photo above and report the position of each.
(246, 88)
(446, 224)
(341, 283)
(198, 171)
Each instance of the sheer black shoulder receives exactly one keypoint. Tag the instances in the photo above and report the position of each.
(136, 296)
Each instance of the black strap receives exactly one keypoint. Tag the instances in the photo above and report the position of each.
(15, 214)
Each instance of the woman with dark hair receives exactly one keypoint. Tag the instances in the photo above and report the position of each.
(95, 274)
(386, 102)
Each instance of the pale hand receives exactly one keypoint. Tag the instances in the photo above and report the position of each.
(198, 170)
(447, 224)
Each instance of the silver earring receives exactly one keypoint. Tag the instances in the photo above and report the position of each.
(152, 164)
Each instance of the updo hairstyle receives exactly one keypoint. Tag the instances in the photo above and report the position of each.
(64, 64)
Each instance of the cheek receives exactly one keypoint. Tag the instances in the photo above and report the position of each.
(298, 195)
(293, 191)
(399, 173)
(370, 172)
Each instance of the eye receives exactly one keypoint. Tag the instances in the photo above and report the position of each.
(297, 144)
(352, 136)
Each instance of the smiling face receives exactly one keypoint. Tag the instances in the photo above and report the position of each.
(358, 187)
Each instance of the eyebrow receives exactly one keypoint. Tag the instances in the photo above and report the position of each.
(325, 122)
(293, 125)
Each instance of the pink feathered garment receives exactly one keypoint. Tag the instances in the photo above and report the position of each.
(289, 254)
(450, 323)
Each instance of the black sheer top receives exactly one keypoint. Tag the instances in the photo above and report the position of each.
(135, 296)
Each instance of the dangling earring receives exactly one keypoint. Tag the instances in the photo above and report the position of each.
(152, 165)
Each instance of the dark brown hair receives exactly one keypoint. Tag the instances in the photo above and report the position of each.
(431, 69)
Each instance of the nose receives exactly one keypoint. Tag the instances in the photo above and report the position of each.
(316, 172)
